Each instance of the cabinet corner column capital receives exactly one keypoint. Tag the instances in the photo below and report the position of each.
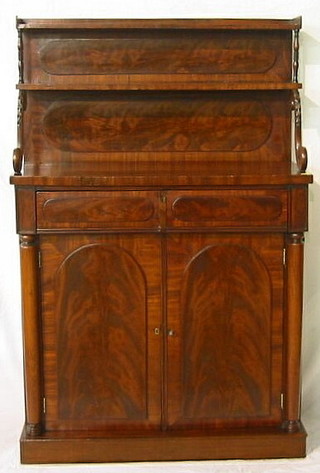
(295, 238)
(27, 241)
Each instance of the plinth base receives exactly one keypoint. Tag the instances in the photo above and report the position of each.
(87, 447)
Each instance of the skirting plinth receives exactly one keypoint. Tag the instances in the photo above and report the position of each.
(87, 447)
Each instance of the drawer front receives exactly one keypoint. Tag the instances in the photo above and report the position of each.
(225, 208)
(97, 210)
(117, 58)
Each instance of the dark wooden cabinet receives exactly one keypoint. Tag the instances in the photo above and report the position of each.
(162, 199)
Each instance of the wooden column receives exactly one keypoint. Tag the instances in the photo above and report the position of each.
(31, 331)
(294, 325)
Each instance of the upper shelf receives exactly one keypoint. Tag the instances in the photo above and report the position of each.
(217, 23)
(145, 83)
(158, 54)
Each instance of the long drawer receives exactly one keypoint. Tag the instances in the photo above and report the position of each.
(76, 210)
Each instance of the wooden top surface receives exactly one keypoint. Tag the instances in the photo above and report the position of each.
(145, 84)
(217, 23)
(115, 174)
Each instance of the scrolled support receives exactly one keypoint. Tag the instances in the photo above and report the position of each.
(301, 152)
(17, 153)
(17, 160)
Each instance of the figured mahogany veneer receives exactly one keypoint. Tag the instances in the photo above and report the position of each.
(159, 55)
(161, 203)
(117, 301)
(132, 209)
(227, 208)
(125, 123)
(221, 293)
(237, 126)
(95, 56)
(97, 210)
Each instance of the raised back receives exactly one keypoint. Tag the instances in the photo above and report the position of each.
(157, 91)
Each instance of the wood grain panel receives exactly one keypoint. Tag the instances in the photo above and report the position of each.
(227, 207)
(225, 309)
(132, 127)
(158, 125)
(99, 314)
(25, 210)
(101, 302)
(202, 54)
(104, 57)
(76, 210)
(298, 215)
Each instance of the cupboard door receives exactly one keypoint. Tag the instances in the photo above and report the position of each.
(225, 311)
(101, 305)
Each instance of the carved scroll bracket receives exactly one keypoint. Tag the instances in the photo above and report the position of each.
(301, 152)
(17, 160)
(17, 153)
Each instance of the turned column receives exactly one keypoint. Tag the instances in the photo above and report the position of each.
(293, 330)
(31, 334)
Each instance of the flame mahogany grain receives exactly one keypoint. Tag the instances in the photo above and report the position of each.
(161, 203)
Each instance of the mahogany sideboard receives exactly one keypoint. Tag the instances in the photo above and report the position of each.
(161, 195)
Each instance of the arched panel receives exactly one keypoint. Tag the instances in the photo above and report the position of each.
(101, 328)
(226, 312)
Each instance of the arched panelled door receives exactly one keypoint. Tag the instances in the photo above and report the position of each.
(103, 356)
(101, 303)
(225, 315)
